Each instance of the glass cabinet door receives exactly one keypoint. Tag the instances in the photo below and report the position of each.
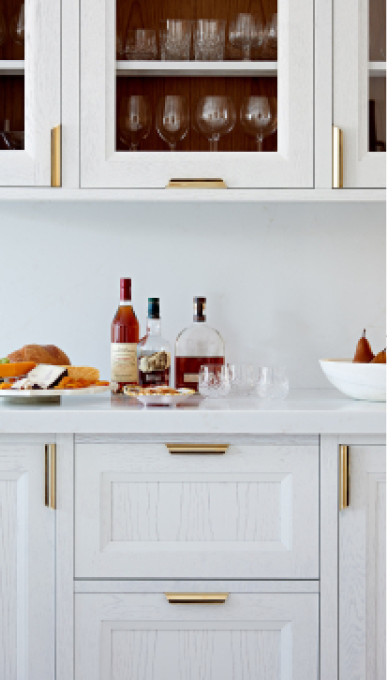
(29, 89)
(360, 89)
(194, 89)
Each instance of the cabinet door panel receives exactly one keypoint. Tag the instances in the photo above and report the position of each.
(363, 568)
(141, 512)
(27, 569)
(266, 636)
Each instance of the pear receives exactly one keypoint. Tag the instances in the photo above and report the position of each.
(364, 353)
(380, 358)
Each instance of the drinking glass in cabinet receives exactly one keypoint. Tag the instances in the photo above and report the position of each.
(172, 119)
(17, 27)
(244, 30)
(175, 40)
(271, 33)
(209, 39)
(141, 45)
(258, 116)
(215, 117)
(135, 120)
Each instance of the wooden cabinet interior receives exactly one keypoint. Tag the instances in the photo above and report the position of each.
(9, 49)
(377, 30)
(193, 88)
(11, 104)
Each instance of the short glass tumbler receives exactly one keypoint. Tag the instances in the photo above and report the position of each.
(141, 45)
(175, 40)
(209, 39)
(242, 380)
(272, 383)
(214, 381)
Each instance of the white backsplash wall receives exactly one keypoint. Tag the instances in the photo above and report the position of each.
(284, 283)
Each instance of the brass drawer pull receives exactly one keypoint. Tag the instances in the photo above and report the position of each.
(50, 479)
(197, 449)
(344, 486)
(196, 598)
(337, 158)
(56, 156)
(196, 184)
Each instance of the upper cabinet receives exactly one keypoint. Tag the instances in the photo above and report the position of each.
(359, 101)
(185, 90)
(30, 95)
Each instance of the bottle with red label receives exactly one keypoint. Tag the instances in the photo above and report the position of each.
(125, 336)
(197, 346)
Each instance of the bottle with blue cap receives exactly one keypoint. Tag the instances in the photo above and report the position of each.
(154, 353)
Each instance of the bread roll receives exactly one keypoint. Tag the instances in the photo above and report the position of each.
(40, 354)
(82, 373)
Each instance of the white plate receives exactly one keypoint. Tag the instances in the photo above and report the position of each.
(40, 394)
(162, 399)
(359, 381)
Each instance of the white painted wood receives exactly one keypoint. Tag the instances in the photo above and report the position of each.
(142, 512)
(350, 103)
(65, 558)
(329, 558)
(196, 68)
(91, 586)
(172, 438)
(10, 67)
(291, 166)
(323, 94)
(70, 96)
(27, 566)
(362, 624)
(377, 68)
(32, 167)
(129, 636)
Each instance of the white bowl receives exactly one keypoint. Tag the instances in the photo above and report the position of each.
(360, 381)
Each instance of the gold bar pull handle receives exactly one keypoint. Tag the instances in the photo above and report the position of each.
(56, 156)
(196, 184)
(197, 449)
(337, 158)
(196, 598)
(344, 486)
(50, 481)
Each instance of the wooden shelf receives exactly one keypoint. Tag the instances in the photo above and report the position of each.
(196, 68)
(11, 67)
(377, 69)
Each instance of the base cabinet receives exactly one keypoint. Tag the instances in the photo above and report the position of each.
(265, 635)
(362, 568)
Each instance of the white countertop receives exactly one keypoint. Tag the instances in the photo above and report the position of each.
(304, 412)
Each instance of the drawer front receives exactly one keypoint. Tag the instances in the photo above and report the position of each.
(143, 513)
(269, 636)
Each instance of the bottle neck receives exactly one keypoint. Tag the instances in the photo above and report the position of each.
(153, 326)
(125, 303)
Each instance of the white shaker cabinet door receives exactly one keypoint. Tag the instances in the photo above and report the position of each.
(141, 512)
(362, 586)
(143, 637)
(27, 566)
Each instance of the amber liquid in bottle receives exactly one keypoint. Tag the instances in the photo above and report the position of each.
(125, 331)
(187, 370)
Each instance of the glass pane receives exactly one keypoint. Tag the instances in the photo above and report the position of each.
(11, 75)
(377, 113)
(377, 39)
(191, 88)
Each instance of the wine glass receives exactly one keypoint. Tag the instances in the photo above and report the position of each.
(135, 120)
(17, 27)
(172, 119)
(271, 38)
(242, 33)
(215, 117)
(3, 28)
(258, 117)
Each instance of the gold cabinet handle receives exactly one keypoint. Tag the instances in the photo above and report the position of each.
(197, 449)
(196, 598)
(344, 486)
(337, 158)
(196, 184)
(56, 156)
(50, 476)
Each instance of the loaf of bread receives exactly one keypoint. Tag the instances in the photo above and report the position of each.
(82, 373)
(40, 354)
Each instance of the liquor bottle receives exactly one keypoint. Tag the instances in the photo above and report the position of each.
(125, 335)
(154, 353)
(197, 346)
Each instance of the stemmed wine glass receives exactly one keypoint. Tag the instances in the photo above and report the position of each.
(258, 116)
(243, 32)
(172, 119)
(135, 120)
(17, 27)
(215, 117)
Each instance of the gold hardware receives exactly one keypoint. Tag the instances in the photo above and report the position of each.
(337, 158)
(197, 449)
(56, 156)
(196, 598)
(50, 485)
(196, 184)
(344, 486)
